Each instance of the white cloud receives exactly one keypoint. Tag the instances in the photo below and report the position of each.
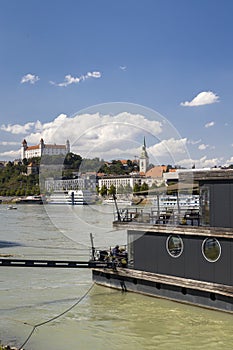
(17, 128)
(203, 162)
(99, 135)
(57, 122)
(193, 142)
(109, 136)
(75, 80)
(29, 78)
(11, 154)
(92, 134)
(209, 125)
(203, 98)
(8, 143)
(167, 151)
(169, 146)
(38, 126)
(202, 147)
(33, 127)
(123, 68)
(229, 161)
(67, 81)
(92, 75)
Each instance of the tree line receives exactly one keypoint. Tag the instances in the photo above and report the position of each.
(15, 180)
(136, 190)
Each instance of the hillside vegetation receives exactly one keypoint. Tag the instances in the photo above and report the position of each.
(15, 180)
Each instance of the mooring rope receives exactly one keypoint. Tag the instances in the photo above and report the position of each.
(55, 317)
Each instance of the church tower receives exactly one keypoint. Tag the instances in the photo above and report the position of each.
(23, 149)
(144, 159)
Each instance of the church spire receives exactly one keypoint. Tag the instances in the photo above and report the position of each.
(144, 159)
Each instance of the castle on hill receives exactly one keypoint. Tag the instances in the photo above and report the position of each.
(43, 149)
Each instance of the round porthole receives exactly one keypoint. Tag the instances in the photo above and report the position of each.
(174, 246)
(211, 249)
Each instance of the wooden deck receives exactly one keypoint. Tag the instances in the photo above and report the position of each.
(179, 229)
(172, 280)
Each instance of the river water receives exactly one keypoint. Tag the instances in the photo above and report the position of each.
(104, 318)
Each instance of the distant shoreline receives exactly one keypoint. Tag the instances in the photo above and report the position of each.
(6, 200)
(8, 347)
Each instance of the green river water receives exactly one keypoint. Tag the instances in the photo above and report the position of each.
(105, 318)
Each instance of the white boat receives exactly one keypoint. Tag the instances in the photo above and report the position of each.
(72, 197)
(119, 201)
(58, 198)
(172, 202)
(11, 207)
(38, 199)
(80, 197)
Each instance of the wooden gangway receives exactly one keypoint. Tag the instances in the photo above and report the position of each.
(54, 263)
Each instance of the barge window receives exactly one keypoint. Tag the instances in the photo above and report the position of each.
(174, 246)
(211, 249)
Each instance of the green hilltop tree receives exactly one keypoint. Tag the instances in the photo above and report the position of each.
(144, 189)
(136, 189)
(112, 190)
(103, 191)
(128, 189)
(120, 189)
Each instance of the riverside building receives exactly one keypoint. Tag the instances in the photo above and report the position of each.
(149, 177)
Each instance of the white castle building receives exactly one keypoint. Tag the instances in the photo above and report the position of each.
(43, 149)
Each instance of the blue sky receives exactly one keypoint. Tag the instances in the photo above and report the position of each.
(174, 57)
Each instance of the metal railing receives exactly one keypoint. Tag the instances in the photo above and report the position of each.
(162, 217)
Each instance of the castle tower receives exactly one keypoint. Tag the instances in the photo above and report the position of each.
(68, 146)
(144, 159)
(41, 146)
(23, 149)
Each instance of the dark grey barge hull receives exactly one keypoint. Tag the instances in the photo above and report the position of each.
(199, 293)
(186, 257)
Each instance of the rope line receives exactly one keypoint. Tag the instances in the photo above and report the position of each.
(55, 317)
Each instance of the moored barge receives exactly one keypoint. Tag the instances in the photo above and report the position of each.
(171, 259)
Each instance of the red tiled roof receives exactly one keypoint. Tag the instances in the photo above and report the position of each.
(156, 171)
(123, 161)
(55, 146)
(46, 146)
(32, 147)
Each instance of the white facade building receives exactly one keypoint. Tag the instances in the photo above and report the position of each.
(130, 180)
(43, 149)
(84, 181)
(121, 180)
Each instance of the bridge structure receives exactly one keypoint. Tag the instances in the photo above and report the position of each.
(7, 262)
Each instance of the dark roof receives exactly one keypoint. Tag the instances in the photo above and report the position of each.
(208, 175)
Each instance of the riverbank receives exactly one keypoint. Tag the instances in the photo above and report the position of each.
(7, 347)
(7, 200)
